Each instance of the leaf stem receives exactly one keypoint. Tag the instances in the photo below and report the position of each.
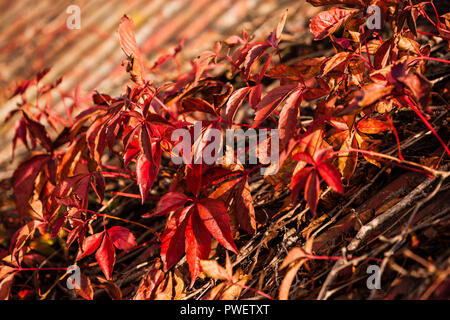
(421, 116)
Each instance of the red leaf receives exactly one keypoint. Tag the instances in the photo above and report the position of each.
(169, 202)
(173, 238)
(99, 185)
(145, 143)
(384, 54)
(122, 238)
(5, 286)
(312, 191)
(20, 238)
(365, 96)
(194, 177)
(419, 86)
(106, 256)
(335, 61)
(198, 245)
(270, 102)
(20, 134)
(194, 104)
(327, 22)
(287, 122)
(214, 216)
(57, 225)
(85, 290)
(253, 54)
(244, 209)
(304, 156)
(146, 173)
(90, 244)
(331, 176)
(242, 203)
(131, 151)
(372, 126)
(255, 95)
(101, 98)
(131, 49)
(23, 180)
(284, 72)
(38, 132)
(298, 182)
(275, 37)
(234, 102)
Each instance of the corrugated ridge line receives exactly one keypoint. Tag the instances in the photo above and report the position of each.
(31, 42)
(19, 22)
(79, 45)
(72, 38)
(111, 48)
(10, 17)
(123, 78)
(120, 77)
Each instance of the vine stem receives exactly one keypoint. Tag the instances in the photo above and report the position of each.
(421, 116)
(128, 221)
(40, 269)
(431, 59)
(251, 289)
(429, 170)
(313, 257)
(123, 220)
(396, 137)
(430, 34)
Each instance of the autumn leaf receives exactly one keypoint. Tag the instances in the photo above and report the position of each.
(347, 160)
(198, 244)
(365, 96)
(270, 102)
(190, 229)
(24, 178)
(129, 46)
(121, 238)
(275, 36)
(372, 126)
(90, 244)
(335, 61)
(168, 202)
(308, 178)
(85, 290)
(234, 102)
(331, 176)
(287, 123)
(255, 52)
(327, 22)
(21, 237)
(146, 175)
(213, 270)
(5, 286)
(173, 238)
(106, 256)
(214, 217)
